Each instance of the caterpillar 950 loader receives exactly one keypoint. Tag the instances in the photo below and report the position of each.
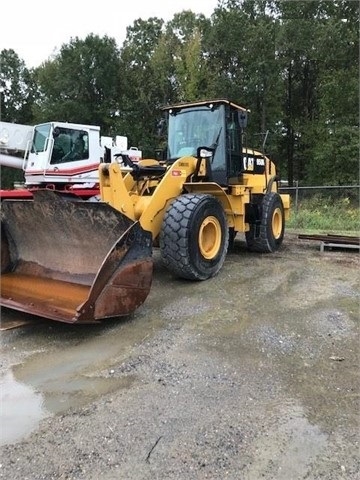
(84, 261)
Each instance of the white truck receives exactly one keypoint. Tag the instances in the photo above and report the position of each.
(58, 156)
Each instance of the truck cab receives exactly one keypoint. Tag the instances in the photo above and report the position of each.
(58, 155)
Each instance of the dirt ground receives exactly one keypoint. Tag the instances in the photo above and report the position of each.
(252, 375)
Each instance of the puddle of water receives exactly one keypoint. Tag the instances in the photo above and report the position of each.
(21, 409)
(77, 392)
(291, 448)
(63, 372)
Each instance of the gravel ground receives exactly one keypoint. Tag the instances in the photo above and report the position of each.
(251, 375)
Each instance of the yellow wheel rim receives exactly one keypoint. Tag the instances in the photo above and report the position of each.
(277, 223)
(210, 237)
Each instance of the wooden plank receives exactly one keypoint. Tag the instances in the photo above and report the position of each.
(324, 245)
(331, 238)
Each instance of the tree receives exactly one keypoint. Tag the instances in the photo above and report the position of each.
(17, 93)
(140, 95)
(295, 65)
(318, 49)
(187, 33)
(81, 84)
(244, 64)
(17, 89)
(335, 157)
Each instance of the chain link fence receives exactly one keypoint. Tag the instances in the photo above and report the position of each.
(328, 207)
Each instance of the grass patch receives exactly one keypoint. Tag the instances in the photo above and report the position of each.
(325, 215)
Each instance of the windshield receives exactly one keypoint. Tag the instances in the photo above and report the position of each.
(70, 145)
(41, 133)
(195, 127)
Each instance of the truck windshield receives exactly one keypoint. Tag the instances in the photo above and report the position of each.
(190, 128)
(41, 133)
(70, 145)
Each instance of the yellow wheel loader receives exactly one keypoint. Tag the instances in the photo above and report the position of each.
(85, 261)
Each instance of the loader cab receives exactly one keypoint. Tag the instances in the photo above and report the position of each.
(218, 125)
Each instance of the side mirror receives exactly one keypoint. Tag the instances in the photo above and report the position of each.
(242, 119)
(160, 127)
(159, 154)
(204, 152)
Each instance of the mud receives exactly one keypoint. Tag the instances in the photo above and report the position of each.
(251, 375)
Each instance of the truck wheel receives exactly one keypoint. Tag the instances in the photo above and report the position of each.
(268, 236)
(194, 237)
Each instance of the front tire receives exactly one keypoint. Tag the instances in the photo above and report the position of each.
(268, 236)
(194, 237)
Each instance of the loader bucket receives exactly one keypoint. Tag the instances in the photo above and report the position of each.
(72, 261)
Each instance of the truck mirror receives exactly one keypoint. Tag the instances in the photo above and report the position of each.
(242, 119)
(160, 126)
(159, 154)
(205, 152)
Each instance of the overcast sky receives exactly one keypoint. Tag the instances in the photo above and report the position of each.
(37, 29)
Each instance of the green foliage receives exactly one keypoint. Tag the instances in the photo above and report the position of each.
(323, 213)
(294, 64)
(8, 176)
(80, 84)
(17, 90)
(143, 83)
(186, 32)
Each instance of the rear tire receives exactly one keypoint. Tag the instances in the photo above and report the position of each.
(268, 236)
(194, 237)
